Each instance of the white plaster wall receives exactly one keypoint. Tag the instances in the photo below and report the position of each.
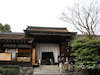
(13, 51)
(44, 47)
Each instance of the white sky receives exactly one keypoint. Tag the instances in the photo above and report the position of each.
(22, 13)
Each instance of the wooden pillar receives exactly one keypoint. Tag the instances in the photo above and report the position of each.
(63, 48)
(33, 56)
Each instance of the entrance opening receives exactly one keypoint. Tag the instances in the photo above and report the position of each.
(47, 58)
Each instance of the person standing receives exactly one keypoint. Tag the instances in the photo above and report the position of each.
(59, 60)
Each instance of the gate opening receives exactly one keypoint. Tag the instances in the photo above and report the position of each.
(47, 58)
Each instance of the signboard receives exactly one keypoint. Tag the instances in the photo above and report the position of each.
(5, 56)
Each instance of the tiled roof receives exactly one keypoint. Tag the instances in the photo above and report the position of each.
(47, 29)
(11, 35)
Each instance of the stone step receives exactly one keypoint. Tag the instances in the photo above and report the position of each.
(51, 74)
(46, 69)
(60, 74)
(51, 70)
(47, 72)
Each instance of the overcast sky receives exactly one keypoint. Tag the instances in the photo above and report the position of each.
(22, 13)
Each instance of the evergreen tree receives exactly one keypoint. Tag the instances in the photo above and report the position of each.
(5, 28)
(87, 54)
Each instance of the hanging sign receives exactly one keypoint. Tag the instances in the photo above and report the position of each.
(5, 56)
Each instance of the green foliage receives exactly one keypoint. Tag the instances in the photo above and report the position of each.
(87, 53)
(1, 27)
(5, 28)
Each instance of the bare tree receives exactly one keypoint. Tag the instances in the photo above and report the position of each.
(85, 18)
